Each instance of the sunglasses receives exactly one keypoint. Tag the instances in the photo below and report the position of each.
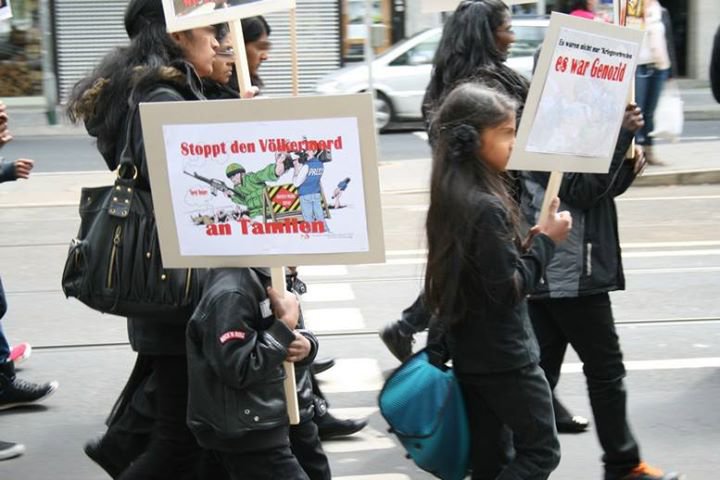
(226, 53)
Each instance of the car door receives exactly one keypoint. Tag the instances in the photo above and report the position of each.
(405, 78)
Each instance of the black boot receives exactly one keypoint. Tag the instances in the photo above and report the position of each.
(399, 344)
(566, 422)
(17, 393)
(331, 427)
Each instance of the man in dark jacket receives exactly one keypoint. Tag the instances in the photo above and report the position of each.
(572, 304)
(715, 66)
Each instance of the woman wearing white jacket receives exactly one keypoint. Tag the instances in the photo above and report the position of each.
(653, 70)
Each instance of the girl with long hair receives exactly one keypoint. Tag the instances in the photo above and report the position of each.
(156, 66)
(477, 276)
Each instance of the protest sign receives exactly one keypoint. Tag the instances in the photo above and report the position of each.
(251, 183)
(5, 10)
(577, 98)
(187, 14)
(431, 6)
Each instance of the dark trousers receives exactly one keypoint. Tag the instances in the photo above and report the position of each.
(587, 324)
(272, 464)
(172, 452)
(305, 445)
(506, 410)
(649, 82)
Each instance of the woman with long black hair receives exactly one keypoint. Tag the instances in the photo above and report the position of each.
(156, 66)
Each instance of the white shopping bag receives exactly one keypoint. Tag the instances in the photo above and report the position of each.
(669, 113)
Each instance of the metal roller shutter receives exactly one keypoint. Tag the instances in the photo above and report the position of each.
(87, 29)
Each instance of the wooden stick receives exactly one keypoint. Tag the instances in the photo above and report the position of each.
(241, 64)
(278, 283)
(277, 273)
(551, 191)
(294, 54)
(278, 276)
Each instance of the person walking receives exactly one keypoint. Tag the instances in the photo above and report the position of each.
(15, 392)
(652, 72)
(477, 275)
(156, 66)
(572, 305)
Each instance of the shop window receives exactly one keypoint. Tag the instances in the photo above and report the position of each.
(20, 51)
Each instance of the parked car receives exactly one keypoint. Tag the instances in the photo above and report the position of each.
(401, 74)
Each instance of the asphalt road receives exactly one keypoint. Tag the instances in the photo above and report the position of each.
(669, 324)
(78, 153)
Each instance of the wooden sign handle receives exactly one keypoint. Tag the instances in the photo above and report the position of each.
(241, 64)
(278, 283)
(277, 273)
(551, 191)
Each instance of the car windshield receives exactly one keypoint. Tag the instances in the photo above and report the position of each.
(527, 40)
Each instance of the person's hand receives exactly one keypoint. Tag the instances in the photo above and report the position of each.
(556, 225)
(299, 349)
(23, 167)
(639, 160)
(286, 307)
(251, 92)
(5, 136)
(633, 119)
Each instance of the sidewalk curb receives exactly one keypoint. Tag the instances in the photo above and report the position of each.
(686, 177)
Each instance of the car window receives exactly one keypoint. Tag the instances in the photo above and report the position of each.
(527, 40)
(421, 54)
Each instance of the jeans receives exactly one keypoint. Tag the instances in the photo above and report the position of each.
(4, 346)
(311, 207)
(506, 410)
(587, 324)
(649, 82)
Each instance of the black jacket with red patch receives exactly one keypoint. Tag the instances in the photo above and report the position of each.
(236, 348)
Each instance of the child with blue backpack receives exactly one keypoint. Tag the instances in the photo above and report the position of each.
(478, 273)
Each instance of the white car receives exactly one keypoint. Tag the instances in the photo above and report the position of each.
(402, 73)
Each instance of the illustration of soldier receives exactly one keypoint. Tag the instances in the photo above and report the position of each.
(248, 188)
(306, 178)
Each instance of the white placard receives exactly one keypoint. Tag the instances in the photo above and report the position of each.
(265, 182)
(187, 14)
(577, 98)
(240, 225)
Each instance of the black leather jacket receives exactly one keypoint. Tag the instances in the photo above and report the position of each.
(236, 348)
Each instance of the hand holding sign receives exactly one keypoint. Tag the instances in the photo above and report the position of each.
(554, 224)
(285, 307)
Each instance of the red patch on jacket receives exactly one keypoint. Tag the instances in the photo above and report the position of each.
(232, 335)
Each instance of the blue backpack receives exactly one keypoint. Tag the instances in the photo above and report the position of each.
(424, 407)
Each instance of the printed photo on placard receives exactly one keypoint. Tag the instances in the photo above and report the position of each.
(264, 178)
(248, 181)
(583, 96)
(5, 10)
(577, 97)
(187, 14)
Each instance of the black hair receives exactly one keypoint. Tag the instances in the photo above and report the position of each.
(254, 27)
(467, 50)
(461, 186)
(102, 99)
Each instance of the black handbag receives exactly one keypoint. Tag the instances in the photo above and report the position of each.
(114, 264)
